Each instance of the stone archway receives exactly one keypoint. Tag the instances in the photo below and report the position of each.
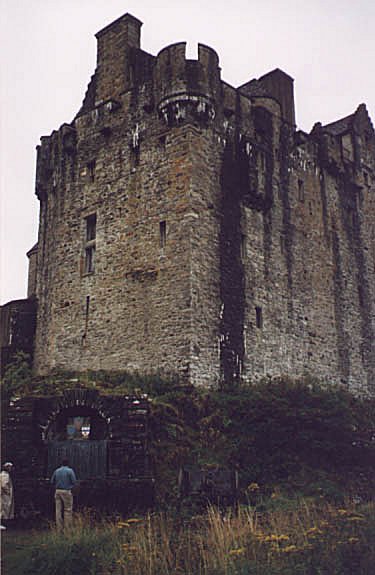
(111, 460)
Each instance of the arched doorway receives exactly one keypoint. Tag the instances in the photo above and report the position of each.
(80, 434)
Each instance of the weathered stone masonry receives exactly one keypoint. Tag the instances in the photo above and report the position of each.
(187, 226)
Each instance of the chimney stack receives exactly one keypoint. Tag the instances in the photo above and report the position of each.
(115, 43)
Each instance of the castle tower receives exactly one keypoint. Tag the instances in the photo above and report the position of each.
(186, 227)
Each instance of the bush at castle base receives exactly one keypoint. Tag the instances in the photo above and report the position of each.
(299, 435)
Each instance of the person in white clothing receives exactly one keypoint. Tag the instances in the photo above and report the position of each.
(7, 494)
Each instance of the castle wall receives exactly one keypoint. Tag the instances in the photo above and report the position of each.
(186, 227)
(135, 302)
(315, 295)
(17, 328)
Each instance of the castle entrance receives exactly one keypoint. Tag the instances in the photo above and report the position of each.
(104, 437)
(79, 434)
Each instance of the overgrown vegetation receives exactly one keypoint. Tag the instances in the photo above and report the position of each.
(296, 435)
(304, 540)
(17, 379)
(305, 456)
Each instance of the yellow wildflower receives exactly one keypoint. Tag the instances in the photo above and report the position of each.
(122, 524)
(314, 532)
(276, 538)
(237, 552)
(283, 537)
(129, 548)
(253, 487)
(269, 538)
(290, 549)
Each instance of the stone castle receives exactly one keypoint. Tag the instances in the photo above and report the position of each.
(187, 227)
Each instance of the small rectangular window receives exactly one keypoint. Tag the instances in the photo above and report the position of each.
(87, 307)
(91, 227)
(90, 243)
(91, 170)
(90, 260)
(163, 233)
(301, 190)
(259, 317)
(282, 244)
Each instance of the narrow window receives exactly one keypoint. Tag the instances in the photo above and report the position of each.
(259, 317)
(243, 247)
(87, 307)
(163, 233)
(87, 311)
(282, 244)
(262, 161)
(91, 227)
(90, 260)
(91, 170)
(261, 171)
(301, 190)
(90, 241)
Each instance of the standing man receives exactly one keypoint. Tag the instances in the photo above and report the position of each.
(63, 479)
(7, 494)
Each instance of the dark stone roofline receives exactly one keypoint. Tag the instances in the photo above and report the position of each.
(273, 72)
(126, 16)
(15, 302)
(339, 126)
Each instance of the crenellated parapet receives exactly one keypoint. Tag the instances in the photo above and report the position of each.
(52, 152)
(186, 89)
(347, 146)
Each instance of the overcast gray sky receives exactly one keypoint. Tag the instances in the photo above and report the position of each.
(48, 53)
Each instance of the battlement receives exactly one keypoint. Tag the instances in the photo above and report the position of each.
(186, 87)
(174, 73)
(52, 148)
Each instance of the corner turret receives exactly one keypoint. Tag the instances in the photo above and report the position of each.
(186, 89)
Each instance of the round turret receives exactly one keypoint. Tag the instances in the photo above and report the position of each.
(186, 90)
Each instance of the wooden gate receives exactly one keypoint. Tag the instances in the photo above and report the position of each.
(87, 458)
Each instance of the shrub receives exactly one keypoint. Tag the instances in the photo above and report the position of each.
(17, 378)
(301, 437)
